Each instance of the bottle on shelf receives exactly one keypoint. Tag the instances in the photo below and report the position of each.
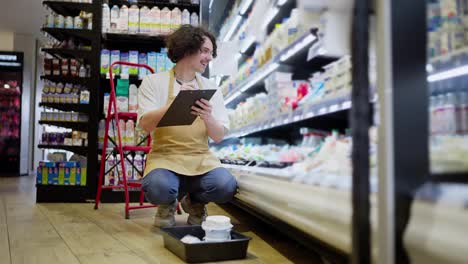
(133, 19)
(106, 18)
(176, 19)
(126, 19)
(145, 20)
(185, 17)
(194, 21)
(114, 18)
(155, 21)
(165, 20)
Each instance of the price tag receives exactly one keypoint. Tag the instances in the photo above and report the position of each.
(310, 114)
(346, 105)
(322, 110)
(334, 108)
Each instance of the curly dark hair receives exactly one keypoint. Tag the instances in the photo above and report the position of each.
(188, 40)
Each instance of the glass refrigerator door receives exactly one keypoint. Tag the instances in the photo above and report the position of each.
(11, 74)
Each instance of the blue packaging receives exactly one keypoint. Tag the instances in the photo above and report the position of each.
(115, 56)
(39, 175)
(133, 58)
(161, 62)
(124, 56)
(153, 60)
(47, 164)
(142, 59)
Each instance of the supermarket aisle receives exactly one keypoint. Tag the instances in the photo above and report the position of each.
(75, 233)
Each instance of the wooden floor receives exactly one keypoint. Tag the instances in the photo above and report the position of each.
(76, 233)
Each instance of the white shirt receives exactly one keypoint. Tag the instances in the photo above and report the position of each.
(154, 89)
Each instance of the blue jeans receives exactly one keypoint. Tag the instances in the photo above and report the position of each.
(163, 186)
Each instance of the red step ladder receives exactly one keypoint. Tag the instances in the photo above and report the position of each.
(122, 151)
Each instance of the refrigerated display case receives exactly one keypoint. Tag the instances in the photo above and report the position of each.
(11, 81)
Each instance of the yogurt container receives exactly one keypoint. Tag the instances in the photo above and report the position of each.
(217, 228)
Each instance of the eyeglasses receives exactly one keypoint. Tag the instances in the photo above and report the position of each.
(206, 51)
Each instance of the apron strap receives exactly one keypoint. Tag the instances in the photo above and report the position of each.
(171, 86)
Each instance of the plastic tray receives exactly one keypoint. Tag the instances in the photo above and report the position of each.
(236, 248)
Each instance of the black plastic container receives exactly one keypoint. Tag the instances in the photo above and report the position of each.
(236, 248)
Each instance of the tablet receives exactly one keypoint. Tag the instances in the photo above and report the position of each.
(178, 113)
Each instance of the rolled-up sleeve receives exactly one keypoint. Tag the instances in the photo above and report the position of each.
(148, 97)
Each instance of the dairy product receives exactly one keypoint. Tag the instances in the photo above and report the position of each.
(145, 20)
(155, 22)
(133, 98)
(185, 17)
(165, 20)
(133, 19)
(194, 21)
(105, 61)
(123, 19)
(114, 18)
(105, 18)
(176, 19)
(130, 135)
(142, 59)
(161, 62)
(152, 60)
(115, 56)
(133, 58)
(124, 57)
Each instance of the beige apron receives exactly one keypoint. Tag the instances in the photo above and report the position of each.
(181, 149)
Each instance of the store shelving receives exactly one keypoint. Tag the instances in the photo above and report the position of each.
(66, 79)
(68, 8)
(81, 150)
(65, 33)
(190, 7)
(82, 108)
(132, 78)
(133, 38)
(68, 53)
(80, 126)
(61, 193)
(450, 177)
(302, 43)
(300, 114)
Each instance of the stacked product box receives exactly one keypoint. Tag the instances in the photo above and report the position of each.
(61, 173)
(158, 61)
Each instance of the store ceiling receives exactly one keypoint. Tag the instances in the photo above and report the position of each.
(22, 16)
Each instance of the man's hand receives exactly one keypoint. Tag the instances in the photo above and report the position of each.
(202, 108)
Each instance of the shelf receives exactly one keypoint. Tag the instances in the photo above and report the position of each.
(81, 150)
(68, 53)
(125, 38)
(287, 54)
(160, 4)
(451, 177)
(69, 8)
(83, 108)
(132, 78)
(300, 114)
(64, 33)
(61, 193)
(80, 126)
(66, 79)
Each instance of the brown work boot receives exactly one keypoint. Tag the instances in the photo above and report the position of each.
(197, 211)
(165, 215)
